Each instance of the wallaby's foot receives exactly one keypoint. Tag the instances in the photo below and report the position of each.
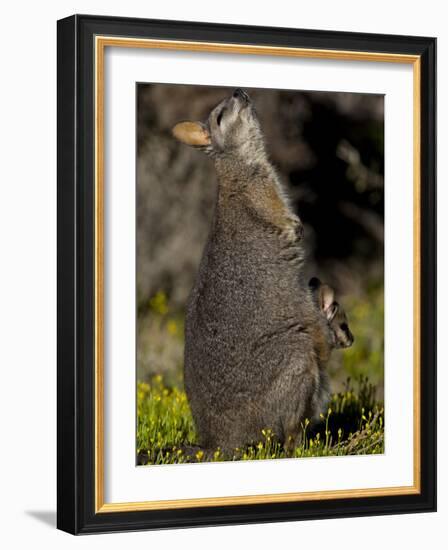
(293, 440)
(196, 453)
(192, 453)
(290, 447)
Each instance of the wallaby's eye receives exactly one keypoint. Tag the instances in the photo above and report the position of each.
(344, 327)
(218, 120)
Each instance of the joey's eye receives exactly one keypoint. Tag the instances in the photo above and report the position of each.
(218, 120)
(344, 327)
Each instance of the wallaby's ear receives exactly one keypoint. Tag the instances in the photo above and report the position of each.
(331, 311)
(192, 133)
(327, 303)
(326, 296)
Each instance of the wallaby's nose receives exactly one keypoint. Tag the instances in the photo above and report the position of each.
(240, 94)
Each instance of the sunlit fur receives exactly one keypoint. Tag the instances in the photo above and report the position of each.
(255, 342)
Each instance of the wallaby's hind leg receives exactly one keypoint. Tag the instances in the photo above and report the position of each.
(293, 434)
(293, 424)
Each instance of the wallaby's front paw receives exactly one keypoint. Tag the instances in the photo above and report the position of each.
(298, 229)
(293, 231)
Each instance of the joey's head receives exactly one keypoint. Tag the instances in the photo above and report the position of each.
(333, 312)
(231, 131)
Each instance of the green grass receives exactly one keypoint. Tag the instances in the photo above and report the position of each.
(352, 425)
(366, 356)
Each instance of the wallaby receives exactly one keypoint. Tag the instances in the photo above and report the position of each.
(341, 336)
(255, 342)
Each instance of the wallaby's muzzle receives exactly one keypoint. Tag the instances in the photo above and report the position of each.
(241, 95)
(348, 340)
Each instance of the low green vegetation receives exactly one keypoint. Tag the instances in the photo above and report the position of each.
(366, 356)
(352, 425)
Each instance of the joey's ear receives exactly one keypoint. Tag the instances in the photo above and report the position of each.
(192, 133)
(331, 311)
(326, 295)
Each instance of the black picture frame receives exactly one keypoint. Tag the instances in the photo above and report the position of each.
(76, 286)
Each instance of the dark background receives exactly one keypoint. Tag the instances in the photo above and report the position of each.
(329, 151)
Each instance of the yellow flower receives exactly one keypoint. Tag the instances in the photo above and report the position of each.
(158, 303)
(171, 327)
(143, 386)
(199, 455)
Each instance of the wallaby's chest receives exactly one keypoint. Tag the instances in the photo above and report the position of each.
(246, 278)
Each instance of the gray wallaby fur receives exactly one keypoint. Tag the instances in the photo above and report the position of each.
(256, 345)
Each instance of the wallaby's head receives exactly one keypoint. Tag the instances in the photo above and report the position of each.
(334, 313)
(232, 130)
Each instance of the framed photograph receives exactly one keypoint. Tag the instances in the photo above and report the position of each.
(246, 274)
